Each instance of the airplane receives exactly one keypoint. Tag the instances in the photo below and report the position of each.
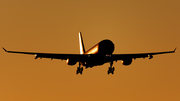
(99, 54)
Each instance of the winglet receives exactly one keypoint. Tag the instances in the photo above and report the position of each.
(4, 49)
(175, 49)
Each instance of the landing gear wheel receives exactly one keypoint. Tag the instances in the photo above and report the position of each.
(112, 72)
(108, 72)
(79, 70)
(113, 69)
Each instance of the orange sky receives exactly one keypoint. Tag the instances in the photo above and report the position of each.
(53, 25)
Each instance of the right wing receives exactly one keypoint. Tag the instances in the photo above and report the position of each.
(116, 57)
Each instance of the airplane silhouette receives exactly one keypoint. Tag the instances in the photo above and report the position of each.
(97, 55)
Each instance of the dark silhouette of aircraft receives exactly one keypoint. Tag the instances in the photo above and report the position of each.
(97, 55)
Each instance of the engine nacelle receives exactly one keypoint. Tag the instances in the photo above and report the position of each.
(127, 62)
(71, 62)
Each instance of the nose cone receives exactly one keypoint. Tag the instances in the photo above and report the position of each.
(106, 47)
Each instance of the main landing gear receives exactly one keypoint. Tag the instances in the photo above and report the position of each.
(111, 69)
(79, 69)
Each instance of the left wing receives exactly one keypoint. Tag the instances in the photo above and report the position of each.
(116, 57)
(77, 57)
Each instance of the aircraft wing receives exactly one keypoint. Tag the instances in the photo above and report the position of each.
(116, 57)
(78, 57)
(84, 57)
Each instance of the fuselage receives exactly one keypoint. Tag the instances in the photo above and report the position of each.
(104, 47)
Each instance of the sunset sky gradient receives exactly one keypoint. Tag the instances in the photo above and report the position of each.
(52, 26)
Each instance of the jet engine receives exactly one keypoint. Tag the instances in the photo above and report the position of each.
(127, 62)
(71, 62)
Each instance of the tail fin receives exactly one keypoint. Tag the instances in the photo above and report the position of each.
(81, 44)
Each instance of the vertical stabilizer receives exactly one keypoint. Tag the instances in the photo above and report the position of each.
(81, 44)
